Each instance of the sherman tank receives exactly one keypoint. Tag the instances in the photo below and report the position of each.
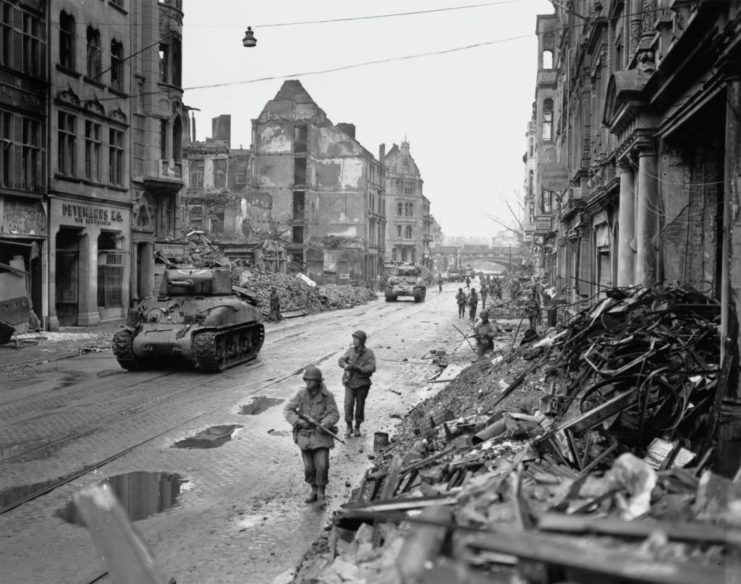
(199, 318)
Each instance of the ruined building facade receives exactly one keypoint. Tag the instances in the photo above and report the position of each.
(638, 149)
(324, 190)
(409, 232)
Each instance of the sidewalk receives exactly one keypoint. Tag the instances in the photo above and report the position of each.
(41, 346)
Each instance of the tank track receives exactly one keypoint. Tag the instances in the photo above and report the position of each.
(122, 342)
(217, 350)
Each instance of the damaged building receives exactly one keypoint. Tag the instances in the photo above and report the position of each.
(409, 232)
(636, 156)
(325, 191)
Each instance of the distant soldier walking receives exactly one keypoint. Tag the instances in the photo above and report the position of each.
(484, 294)
(439, 282)
(275, 305)
(473, 301)
(460, 299)
(310, 411)
(359, 364)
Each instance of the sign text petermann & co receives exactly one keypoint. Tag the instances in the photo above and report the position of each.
(88, 215)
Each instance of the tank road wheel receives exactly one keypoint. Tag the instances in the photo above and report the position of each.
(122, 349)
(208, 352)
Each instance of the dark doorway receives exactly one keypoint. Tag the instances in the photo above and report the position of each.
(67, 276)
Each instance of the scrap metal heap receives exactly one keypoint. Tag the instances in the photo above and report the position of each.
(608, 451)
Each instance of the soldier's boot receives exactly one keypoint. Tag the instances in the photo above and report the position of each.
(321, 496)
(357, 428)
(313, 495)
(348, 432)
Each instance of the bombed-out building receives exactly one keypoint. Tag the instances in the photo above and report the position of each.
(324, 190)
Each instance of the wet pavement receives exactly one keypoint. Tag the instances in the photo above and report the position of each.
(242, 518)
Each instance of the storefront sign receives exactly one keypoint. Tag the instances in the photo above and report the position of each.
(22, 217)
(543, 224)
(90, 215)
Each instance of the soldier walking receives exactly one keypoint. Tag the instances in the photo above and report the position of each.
(484, 294)
(275, 305)
(460, 299)
(359, 364)
(310, 411)
(473, 301)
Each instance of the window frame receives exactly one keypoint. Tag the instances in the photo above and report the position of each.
(116, 156)
(94, 54)
(67, 40)
(66, 143)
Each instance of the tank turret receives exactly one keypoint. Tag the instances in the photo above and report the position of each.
(198, 318)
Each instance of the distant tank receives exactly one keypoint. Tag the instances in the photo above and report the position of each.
(199, 318)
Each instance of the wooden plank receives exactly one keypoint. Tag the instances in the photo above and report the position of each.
(597, 562)
(685, 531)
(127, 556)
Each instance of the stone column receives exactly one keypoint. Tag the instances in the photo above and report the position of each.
(626, 227)
(731, 254)
(88, 288)
(646, 217)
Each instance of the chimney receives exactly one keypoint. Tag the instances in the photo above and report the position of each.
(221, 128)
(381, 153)
(347, 129)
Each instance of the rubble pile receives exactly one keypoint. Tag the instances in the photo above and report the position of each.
(296, 294)
(587, 456)
(202, 253)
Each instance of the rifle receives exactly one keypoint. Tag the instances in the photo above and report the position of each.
(317, 425)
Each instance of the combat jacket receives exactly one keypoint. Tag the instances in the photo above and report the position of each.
(486, 330)
(322, 408)
(363, 365)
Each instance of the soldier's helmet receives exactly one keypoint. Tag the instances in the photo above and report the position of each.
(312, 372)
(361, 335)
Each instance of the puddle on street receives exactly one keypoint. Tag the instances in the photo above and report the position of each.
(140, 493)
(212, 437)
(258, 405)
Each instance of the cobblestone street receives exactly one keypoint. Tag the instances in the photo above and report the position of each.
(240, 517)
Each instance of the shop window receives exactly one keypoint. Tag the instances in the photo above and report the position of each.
(31, 156)
(300, 136)
(67, 34)
(117, 60)
(93, 147)
(115, 157)
(6, 157)
(299, 171)
(67, 144)
(110, 271)
(94, 58)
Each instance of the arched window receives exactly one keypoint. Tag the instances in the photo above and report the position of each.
(400, 209)
(548, 119)
(93, 52)
(398, 230)
(67, 41)
(408, 232)
(547, 59)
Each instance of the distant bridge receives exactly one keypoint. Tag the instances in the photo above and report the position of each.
(460, 256)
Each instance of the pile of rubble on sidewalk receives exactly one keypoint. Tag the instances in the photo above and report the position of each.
(296, 291)
(604, 452)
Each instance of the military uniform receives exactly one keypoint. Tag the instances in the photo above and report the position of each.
(318, 404)
(485, 331)
(359, 364)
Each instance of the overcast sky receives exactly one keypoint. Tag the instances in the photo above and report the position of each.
(463, 113)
